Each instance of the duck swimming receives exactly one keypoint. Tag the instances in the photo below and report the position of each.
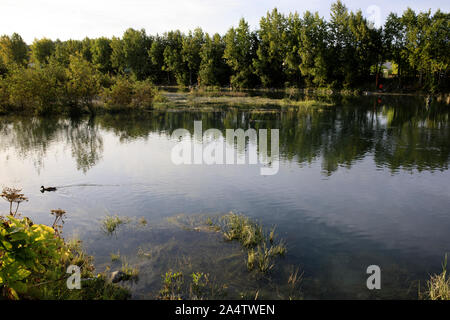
(43, 189)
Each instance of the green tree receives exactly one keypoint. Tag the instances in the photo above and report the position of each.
(86, 50)
(192, 44)
(101, 54)
(213, 69)
(394, 42)
(38, 88)
(156, 54)
(292, 58)
(314, 50)
(42, 50)
(340, 45)
(13, 50)
(240, 51)
(272, 50)
(173, 58)
(135, 46)
(366, 50)
(65, 49)
(117, 55)
(83, 84)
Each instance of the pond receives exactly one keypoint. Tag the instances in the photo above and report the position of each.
(362, 183)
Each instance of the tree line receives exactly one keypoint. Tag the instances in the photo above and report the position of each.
(346, 51)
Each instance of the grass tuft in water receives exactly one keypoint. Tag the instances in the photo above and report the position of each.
(241, 228)
(172, 286)
(143, 222)
(143, 254)
(294, 282)
(438, 287)
(115, 256)
(111, 223)
(251, 235)
(196, 286)
(129, 272)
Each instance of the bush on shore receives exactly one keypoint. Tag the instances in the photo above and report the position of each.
(76, 88)
(33, 263)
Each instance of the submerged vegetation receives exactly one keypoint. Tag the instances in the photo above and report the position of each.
(129, 273)
(197, 286)
(109, 224)
(253, 102)
(35, 259)
(260, 246)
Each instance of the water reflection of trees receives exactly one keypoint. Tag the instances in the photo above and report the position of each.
(86, 143)
(33, 138)
(399, 132)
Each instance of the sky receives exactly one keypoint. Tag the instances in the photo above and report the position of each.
(76, 19)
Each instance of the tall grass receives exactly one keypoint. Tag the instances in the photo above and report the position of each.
(438, 287)
(261, 247)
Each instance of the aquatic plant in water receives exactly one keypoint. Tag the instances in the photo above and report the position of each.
(294, 282)
(172, 286)
(261, 247)
(241, 228)
(115, 256)
(111, 223)
(197, 286)
(438, 287)
(129, 272)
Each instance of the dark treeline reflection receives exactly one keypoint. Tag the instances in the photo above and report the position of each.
(398, 132)
(34, 137)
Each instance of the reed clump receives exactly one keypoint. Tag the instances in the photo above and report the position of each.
(193, 286)
(111, 223)
(115, 256)
(241, 228)
(261, 246)
(129, 272)
(438, 287)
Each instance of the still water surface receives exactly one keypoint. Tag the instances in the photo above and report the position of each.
(365, 182)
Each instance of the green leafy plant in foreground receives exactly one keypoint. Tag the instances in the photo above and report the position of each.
(34, 260)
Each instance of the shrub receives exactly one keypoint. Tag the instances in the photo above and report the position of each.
(127, 94)
(119, 95)
(36, 88)
(144, 92)
(83, 83)
(4, 96)
(34, 260)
